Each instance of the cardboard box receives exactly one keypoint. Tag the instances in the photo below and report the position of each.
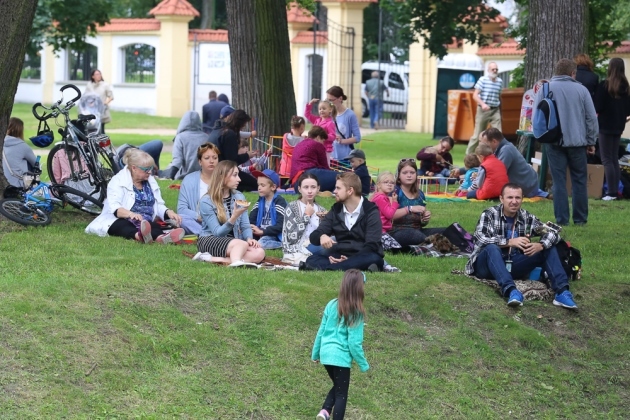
(594, 183)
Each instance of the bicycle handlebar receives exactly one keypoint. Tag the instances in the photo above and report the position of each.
(55, 108)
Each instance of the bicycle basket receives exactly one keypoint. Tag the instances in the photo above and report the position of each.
(44, 137)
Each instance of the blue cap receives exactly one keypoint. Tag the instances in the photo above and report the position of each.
(268, 173)
(225, 111)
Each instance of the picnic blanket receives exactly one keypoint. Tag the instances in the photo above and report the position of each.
(531, 289)
(269, 263)
(435, 197)
(429, 250)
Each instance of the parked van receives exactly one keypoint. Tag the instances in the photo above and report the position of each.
(396, 78)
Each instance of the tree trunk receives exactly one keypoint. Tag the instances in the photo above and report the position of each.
(16, 21)
(208, 9)
(262, 82)
(557, 29)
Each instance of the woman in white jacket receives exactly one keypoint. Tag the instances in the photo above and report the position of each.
(134, 202)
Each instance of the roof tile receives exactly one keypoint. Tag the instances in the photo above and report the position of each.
(127, 24)
(508, 47)
(208, 35)
(306, 37)
(174, 8)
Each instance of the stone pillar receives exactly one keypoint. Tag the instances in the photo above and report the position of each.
(173, 66)
(48, 74)
(422, 89)
(339, 63)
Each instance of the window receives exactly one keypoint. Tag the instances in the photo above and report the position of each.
(395, 81)
(32, 67)
(366, 74)
(315, 71)
(81, 63)
(139, 63)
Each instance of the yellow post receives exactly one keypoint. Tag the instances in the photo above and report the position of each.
(422, 89)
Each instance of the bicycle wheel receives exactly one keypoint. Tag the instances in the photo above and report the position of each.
(77, 199)
(107, 165)
(14, 209)
(58, 163)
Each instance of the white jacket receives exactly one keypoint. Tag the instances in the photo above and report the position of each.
(120, 194)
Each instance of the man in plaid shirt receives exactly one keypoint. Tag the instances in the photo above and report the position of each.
(503, 249)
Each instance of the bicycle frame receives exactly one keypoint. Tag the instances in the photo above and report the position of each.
(42, 200)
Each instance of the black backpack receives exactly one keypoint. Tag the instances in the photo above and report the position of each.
(458, 236)
(571, 259)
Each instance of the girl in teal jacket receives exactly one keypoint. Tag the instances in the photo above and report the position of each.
(340, 340)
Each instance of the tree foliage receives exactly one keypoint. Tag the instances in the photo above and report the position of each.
(437, 22)
(66, 23)
(395, 39)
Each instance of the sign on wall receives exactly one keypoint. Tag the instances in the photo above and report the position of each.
(214, 64)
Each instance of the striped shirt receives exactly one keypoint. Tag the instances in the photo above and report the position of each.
(490, 91)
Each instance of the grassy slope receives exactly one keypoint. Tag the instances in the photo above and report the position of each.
(161, 336)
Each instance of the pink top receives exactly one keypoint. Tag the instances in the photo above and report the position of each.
(386, 208)
(327, 124)
(308, 154)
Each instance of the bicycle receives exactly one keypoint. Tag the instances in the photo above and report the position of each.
(85, 160)
(34, 203)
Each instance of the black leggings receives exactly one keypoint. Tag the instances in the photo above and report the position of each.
(126, 229)
(409, 236)
(338, 395)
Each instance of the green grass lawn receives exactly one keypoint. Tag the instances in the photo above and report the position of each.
(106, 328)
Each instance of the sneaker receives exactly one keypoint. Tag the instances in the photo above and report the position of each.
(173, 237)
(565, 299)
(608, 198)
(373, 268)
(202, 256)
(243, 264)
(145, 231)
(391, 269)
(323, 415)
(515, 299)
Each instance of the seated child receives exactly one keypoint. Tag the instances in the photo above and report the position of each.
(254, 163)
(492, 175)
(357, 161)
(289, 141)
(267, 216)
(387, 202)
(436, 161)
(471, 163)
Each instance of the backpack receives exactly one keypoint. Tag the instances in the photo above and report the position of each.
(571, 259)
(546, 123)
(458, 236)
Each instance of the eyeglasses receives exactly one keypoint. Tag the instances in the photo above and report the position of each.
(494, 69)
(410, 160)
(146, 169)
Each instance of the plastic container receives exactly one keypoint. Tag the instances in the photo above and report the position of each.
(535, 274)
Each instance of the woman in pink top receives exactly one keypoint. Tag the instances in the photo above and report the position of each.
(387, 204)
(326, 120)
(310, 156)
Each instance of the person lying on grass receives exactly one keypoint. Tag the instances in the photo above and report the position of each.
(504, 249)
(133, 204)
(226, 235)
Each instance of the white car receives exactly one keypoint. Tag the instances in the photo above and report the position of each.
(396, 79)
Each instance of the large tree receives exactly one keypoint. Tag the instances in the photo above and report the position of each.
(261, 62)
(16, 20)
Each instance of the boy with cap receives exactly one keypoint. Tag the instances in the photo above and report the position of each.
(267, 216)
(357, 161)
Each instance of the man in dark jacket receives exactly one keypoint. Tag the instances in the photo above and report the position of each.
(210, 112)
(355, 224)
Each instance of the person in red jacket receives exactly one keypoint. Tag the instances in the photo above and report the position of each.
(492, 175)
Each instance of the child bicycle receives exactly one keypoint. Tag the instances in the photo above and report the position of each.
(33, 204)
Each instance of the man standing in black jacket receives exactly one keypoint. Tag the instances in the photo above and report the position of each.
(355, 224)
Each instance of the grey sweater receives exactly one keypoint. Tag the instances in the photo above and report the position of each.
(188, 139)
(18, 156)
(578, 120)
(519, 171)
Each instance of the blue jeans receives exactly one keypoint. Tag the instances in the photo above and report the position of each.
(490, 264)
(375, 108)
(269, 242)
(574, 158)
(326, 177)
(359, 261)
(153, 148)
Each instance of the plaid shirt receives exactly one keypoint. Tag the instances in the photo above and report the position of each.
(492, 229)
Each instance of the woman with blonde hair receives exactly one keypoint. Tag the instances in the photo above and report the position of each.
(134, 203)
(17, 157)
(612, 103)
(226, 234)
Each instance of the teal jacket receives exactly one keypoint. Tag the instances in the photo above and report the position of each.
(336, 344)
